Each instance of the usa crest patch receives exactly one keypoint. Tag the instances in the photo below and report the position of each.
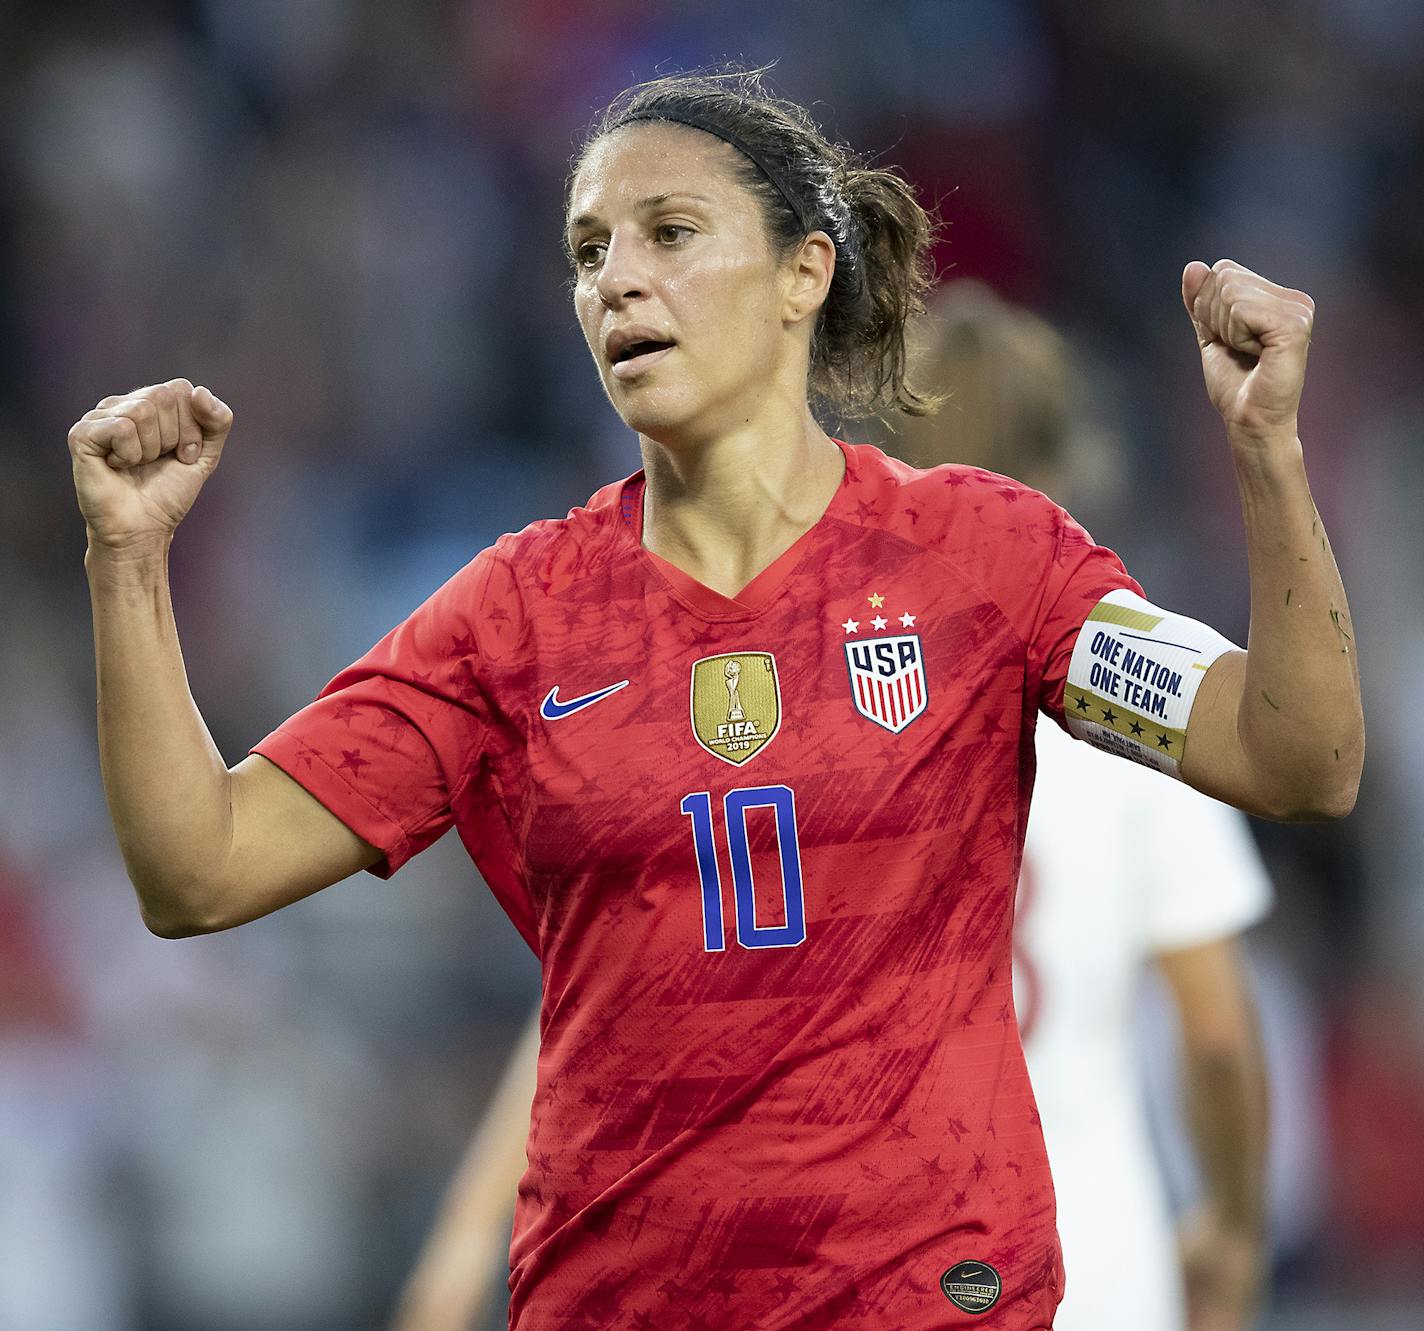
(887, 679)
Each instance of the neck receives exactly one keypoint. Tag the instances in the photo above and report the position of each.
(725, 508)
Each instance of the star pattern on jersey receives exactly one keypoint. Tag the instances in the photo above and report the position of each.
(346, 713)
(991, 728)
(718, 1241)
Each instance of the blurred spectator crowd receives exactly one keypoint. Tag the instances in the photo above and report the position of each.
(345, 216)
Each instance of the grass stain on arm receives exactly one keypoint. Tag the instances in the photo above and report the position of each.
(1275, 705)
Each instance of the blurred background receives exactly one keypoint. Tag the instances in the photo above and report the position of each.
(345, 216)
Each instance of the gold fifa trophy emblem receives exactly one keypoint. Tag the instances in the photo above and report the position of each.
(736, 704)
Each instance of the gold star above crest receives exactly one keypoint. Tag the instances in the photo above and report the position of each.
(876, 600)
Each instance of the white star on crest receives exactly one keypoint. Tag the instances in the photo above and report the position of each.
(907, 620)
(878, 622)
(851, 626)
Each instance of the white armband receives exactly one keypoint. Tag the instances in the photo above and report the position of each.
(1134, 677)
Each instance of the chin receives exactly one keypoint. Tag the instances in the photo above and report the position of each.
(662, 416)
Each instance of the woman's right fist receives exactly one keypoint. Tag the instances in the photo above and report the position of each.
(141, 458)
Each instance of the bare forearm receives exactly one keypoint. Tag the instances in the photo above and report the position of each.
(1299, 721)
(167, 785)
(1226, 1101)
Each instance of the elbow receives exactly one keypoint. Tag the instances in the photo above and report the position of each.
(1340, 805)
(170, 914)
(1322, 792)
(169, 926)
(1339, 789)
(1327, 802)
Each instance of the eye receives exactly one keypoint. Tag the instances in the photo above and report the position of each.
(672, 233)
(590, 254)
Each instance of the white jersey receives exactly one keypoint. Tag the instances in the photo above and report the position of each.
(1119, 865)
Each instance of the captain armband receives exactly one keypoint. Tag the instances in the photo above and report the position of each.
(1134, 677)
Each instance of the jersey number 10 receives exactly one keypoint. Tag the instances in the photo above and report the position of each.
(698, 807)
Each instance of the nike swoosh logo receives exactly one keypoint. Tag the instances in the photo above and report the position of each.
(551, 709)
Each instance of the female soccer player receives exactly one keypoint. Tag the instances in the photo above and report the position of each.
(780, 1083)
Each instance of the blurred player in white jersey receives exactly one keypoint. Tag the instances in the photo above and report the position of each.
(1121, 870)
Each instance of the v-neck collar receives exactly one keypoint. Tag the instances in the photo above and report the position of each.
(762, 589)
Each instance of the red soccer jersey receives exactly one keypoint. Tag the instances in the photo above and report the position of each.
(766, 850)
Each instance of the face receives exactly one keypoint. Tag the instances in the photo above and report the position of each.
(681, 301)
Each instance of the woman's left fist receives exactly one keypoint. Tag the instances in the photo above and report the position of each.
(1254, 337)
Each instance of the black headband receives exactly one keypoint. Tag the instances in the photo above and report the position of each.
(692, 119)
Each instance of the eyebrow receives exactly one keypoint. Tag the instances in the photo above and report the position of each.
(642, 206)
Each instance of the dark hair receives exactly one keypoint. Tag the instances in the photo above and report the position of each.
(881, 234)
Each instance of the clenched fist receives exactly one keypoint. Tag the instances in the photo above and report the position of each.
(1253, 337)
(141, 458)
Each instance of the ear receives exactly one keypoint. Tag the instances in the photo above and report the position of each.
(809, 272)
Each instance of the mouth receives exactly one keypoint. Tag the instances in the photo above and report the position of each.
(637, 357)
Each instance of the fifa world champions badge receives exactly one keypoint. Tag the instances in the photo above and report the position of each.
(736, 704)
(887, 671)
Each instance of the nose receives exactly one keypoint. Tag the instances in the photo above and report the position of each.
(623, 275)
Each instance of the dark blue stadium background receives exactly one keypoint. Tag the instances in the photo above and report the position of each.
(344, 216)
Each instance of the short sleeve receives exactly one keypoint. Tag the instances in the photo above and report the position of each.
(1080, 573)
(389, 742)
(1203, 877)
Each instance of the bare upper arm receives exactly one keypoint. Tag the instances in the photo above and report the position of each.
(285, 845)
(1214, 760)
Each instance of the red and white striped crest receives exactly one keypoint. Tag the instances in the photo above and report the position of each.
(887, 679)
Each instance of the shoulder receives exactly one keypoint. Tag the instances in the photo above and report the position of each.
(548, 555)
(491, 598)
(966, 514)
